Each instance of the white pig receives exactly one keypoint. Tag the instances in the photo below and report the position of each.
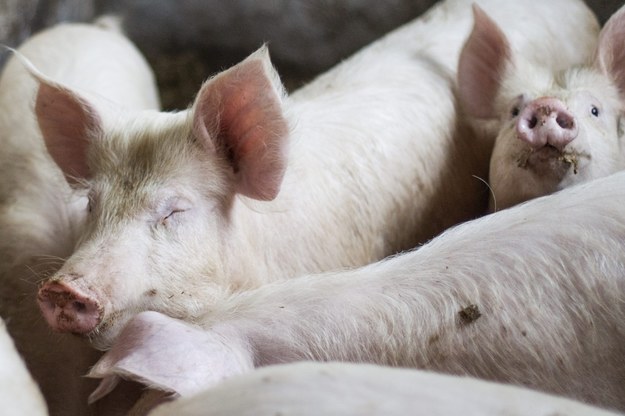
(533, 295)
(249, 185)
(340, 389)
(40, 216)
(19, 394)
(556, 128)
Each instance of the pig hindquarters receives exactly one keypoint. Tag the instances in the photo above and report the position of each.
(531, 296)
(342, 389)
(556, 129)
(40, 215)
(249, 186)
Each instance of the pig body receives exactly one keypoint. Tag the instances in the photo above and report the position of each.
(249, 186)
(343, 389)
(19, 394)
(531, 296)
(557, 128)
(40, 215)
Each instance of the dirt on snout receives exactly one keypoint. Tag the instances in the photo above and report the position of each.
(571, 159)
(549, 161)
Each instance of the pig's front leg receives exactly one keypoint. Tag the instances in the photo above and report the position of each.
(171, 356)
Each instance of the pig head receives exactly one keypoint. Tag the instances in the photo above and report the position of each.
(555, 129)
(160, 186)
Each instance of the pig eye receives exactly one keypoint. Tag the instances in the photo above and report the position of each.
(515, 111)
(594, 111)
(171, 214)
(170, 209)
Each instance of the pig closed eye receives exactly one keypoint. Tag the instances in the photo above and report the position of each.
(171, 214)
(594, 111)
(169, 210)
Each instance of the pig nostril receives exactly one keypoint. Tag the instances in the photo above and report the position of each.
(565, 122)
(79, 306)
(532, 122)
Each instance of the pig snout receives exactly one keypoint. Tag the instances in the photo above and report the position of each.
(67, 309)
(546, 121)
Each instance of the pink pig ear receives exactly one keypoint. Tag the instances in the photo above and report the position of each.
(239, 113)
(482, 64)
(610, 57)
(66, 121)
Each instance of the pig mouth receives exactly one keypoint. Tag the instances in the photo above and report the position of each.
(551, 161)
(104, 335)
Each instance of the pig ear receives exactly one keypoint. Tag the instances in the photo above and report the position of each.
(239, 113)
(169, 355)
(66, 121)
(483, 61)
(611, 50)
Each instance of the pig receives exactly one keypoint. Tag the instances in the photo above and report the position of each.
(531, 296)
(556, 128)
(40, 215)
(343, 389)
(250, 186)
(19, 394)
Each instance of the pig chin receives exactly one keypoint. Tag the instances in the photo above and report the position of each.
(550, 162)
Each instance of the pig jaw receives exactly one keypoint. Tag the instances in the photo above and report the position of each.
(550, 163)
(519, 172)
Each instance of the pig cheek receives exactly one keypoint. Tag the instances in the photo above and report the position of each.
(117, 286)
(183, 278)
(187, 294)
(508, 172)
(174, 266)
(506, 154)
(183, 282)
(122, 299)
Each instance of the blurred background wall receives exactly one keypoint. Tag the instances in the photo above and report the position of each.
(188, 40)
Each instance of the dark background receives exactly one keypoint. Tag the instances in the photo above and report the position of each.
(186, 41)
